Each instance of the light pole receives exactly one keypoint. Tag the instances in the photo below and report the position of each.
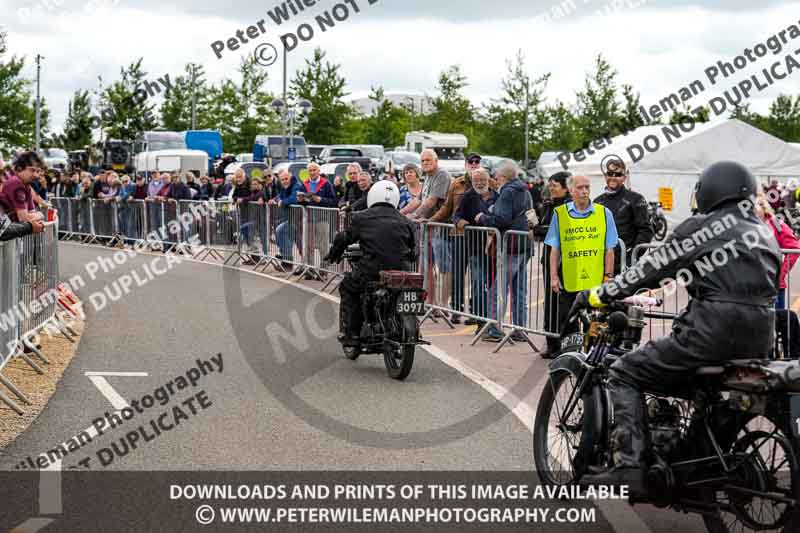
(288, 114)
(527, 121)
(38, 102)
(411, 102)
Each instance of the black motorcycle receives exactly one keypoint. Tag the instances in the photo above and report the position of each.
(726, 447)
(658, 222)
(390, 307)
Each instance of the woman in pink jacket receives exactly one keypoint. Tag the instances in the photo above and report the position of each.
(786, 241)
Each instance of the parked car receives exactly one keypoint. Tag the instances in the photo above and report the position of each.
(118, 156)
(490, 163)
(395, 161)
(375, 152)
(331, 170)
(244, 158)
(253, 169)
(55, 158)
(298, 169)
(345, 153)
(314, 151)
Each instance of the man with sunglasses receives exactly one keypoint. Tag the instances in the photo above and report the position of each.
(629, 209)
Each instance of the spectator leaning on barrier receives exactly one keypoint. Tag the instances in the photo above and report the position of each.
(582, 236)
(154, 186)
(318, 193)
(458, 256)
(786, 241)
(206, 190)
(339, 187)
(241, 187)
(125, 210)
(17, 196)
(629, 209)
(65, 188)
(434, 192)
(101, 186)
(412, 189)
(178, 190)
(140, 189)
(483, 269)
(509, 213)
(39, 184)
(353, 192)
(555, 311)
(364, 184)
(285, 233)
(271, 186)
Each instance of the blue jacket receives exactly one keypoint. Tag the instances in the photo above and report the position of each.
(509, 209)
(325, 191)
(126, 192)
(288, 196)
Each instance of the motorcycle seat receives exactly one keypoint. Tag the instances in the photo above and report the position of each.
(400, 279)
(721, 368)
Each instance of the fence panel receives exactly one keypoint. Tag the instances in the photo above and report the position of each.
(132, 220)
(104, 218)
(323, 224)
(38, 267)
(9, 297)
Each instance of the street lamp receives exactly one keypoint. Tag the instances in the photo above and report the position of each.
(299, 109)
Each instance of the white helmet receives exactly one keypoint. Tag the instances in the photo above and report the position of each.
(383, 192)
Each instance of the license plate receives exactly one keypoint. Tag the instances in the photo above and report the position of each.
(410, 303)
(795, 410)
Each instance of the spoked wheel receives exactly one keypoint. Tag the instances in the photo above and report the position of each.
(763, 491)
(557, 444)
(400, 359)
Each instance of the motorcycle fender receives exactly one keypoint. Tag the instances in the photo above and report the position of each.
(572, 362)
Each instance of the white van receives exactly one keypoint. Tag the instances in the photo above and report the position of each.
(173, 161)
(448, 146)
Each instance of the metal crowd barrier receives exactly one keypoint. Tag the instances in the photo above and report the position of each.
(674, 298)
(29, 300)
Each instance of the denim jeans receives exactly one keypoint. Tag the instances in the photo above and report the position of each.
(484, 286)
(286, 240)
(517, 277)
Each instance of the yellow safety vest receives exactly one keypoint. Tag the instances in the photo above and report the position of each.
(583, 248)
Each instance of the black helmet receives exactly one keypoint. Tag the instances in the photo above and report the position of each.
(722, 182)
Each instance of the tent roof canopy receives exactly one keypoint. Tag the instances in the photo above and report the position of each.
(688, 149)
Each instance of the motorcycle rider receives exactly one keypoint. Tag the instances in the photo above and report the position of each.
(729, 316)
(387, 242)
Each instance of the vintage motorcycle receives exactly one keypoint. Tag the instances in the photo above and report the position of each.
(658, 222)
(391, 307)
(726, 447)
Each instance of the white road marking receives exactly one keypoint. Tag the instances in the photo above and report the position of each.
(32, 525)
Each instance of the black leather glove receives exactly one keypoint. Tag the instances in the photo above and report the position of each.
(581, 302)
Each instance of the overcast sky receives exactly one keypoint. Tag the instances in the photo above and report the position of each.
(658, 46)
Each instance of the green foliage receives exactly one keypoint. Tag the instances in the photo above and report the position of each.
(17, 104)
(176, 110)
(452, 111)
(599, 111)
(388, 123)
(125, 112)
(78, 126)
(321, 84)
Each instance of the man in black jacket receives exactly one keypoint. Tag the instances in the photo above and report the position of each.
(387, 243)
(731, 269)
(13, 230)
(629, 209)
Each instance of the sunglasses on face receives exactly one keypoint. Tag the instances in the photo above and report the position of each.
(612, 174)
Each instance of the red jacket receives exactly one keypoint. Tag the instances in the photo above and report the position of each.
(786, 241)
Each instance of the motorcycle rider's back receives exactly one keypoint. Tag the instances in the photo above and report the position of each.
(730, 263)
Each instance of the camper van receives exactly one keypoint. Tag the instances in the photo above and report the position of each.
(276, 148)
(180, 161)
(448, 146)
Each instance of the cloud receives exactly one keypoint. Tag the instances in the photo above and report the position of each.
(403, 46)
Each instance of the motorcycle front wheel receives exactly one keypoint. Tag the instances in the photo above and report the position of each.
(659, 228)
(556, 445)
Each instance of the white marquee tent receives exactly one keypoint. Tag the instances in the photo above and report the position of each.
(670, 172)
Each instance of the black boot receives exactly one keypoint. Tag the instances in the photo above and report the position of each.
(629, 439)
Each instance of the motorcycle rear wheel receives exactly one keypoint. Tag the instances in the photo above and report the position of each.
(772, 469)
(399, 360)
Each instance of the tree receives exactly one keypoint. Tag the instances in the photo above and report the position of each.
(452, 111)
(599, 111)
(503, 125)
(176, 110)
(687, 114)
(321, 84)
(388, 123)
(563, 129)
(125, 111)
(78, 125)
(783, 120)
(17, 106)
(631, 118)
